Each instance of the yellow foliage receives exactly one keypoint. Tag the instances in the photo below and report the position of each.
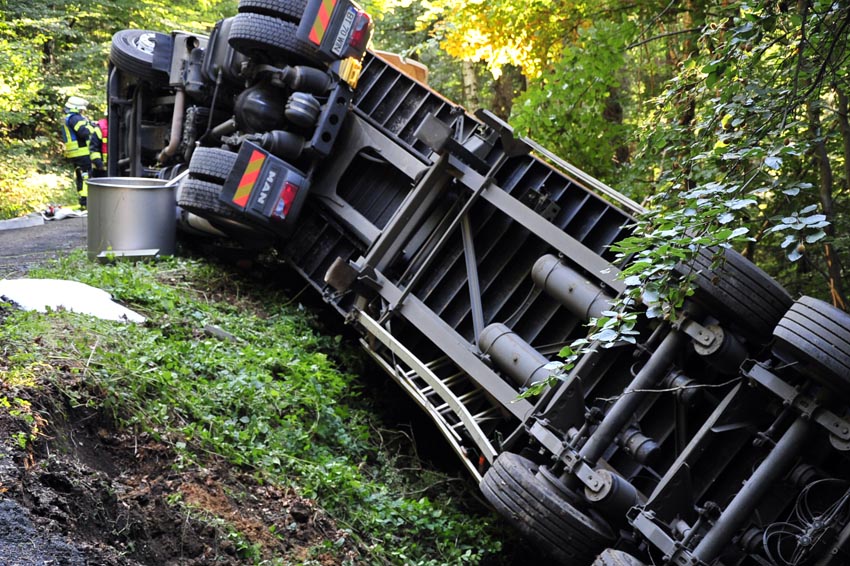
(526, 34)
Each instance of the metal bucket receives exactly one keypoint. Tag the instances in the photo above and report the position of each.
(133, 216)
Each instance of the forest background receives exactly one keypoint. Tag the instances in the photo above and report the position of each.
(727, 120)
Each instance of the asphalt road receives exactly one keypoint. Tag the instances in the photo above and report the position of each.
(24, 248)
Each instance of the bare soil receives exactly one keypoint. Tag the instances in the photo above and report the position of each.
(87, 495)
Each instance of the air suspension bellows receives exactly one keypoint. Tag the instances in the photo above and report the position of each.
(570, 288)
(513, 355)
(286, 145)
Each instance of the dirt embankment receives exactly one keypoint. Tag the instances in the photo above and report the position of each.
(84, 494)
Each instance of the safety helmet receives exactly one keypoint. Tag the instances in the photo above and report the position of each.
(76, 104)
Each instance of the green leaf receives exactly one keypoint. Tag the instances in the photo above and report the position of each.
(738, 232)
(772, 162)
(812, 238)
(814, 219)
(726, 218)
(795, 254)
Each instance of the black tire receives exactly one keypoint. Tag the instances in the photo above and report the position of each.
(540, 513)
(201, 198)
(817, 335)
(288, 10)
(132, 52)
(611, 557)
(265, 38)
(211, 164)
(738, 293)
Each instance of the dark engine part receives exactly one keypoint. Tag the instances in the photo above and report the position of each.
(303, 78)
(194, 125)
(260, 109)
(194, 82)
(221, 60)
(283, 144)
(302, 109)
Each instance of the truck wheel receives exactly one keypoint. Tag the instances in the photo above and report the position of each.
(132, 52)
(611, 557)
(539, 512)
(817, 335)
(211, 164)
(265, 38)
(738, 293)
(201, 197)
(288, 10)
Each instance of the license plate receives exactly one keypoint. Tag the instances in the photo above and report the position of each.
(339, 42)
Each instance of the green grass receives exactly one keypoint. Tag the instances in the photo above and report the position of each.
(272, 400)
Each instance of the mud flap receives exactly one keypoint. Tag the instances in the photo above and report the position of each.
(268, 190)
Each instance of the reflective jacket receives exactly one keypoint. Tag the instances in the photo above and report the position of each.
(97, 143)
(76, 131)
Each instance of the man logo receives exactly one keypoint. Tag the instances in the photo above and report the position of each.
(267, 186)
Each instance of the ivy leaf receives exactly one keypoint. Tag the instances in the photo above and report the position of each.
(812, 238)
(738, 232)
(814, 219)
(738, 204)
(795, 254)
(726, 218)
(772, 162)
(607, 335)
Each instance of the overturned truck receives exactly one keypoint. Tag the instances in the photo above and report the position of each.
(466, 261)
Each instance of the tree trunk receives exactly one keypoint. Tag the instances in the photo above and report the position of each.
(469, 79)
(844, 127)
(825, 190)
(506, 87)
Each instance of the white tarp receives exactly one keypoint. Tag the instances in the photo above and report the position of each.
(57, 294)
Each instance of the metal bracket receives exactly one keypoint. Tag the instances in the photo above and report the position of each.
(584, 473)
(807, 407)
(547, 438)
(440, 137)
(342, 275)
(539, 202)
(644, 522)
(511, 145)
(704, 336)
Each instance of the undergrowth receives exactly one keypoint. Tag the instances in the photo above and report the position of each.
(33, 176)
(225, 369)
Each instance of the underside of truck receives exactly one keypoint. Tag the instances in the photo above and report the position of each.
(466, 259)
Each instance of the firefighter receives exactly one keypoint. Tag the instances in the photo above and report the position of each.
(97, 148)
(76, 133)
